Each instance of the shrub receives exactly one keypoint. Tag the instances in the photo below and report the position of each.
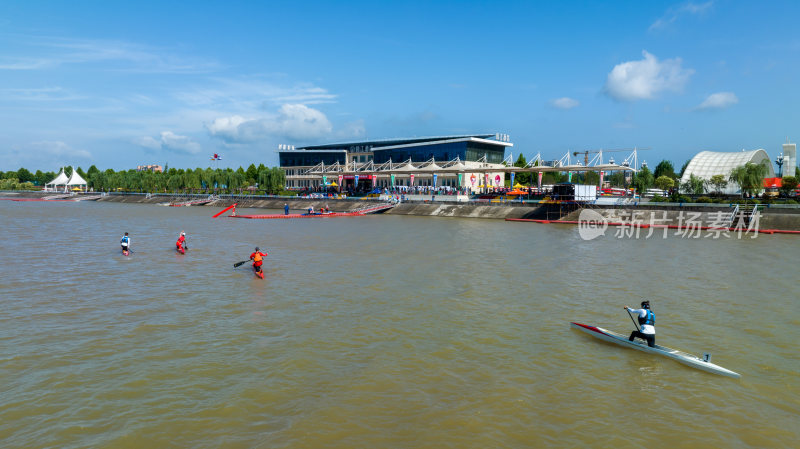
(704, 199)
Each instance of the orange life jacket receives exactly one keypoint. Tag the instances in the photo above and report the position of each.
(257, 258)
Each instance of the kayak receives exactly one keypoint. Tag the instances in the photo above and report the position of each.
(259, 273)
(680, 356)
(180, 249)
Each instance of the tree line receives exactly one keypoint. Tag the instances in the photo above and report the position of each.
(221, 180)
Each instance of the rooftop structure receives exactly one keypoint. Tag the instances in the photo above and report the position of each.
(706, 164)
(153, 168)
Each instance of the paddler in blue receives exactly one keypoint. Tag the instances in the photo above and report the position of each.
(126, 243)
(647, 321)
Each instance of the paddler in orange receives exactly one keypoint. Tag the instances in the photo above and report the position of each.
(257, 257)
(181, 243)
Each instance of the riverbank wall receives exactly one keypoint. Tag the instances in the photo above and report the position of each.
(785, 217)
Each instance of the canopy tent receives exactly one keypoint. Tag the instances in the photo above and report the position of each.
(516, 192)
(519, 186)
(76, 180)
(60, 180)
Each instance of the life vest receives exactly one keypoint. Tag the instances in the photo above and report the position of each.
(257, 258)
(650, 319)
(124, 240)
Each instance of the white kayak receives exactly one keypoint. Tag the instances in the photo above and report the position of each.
(683, 357)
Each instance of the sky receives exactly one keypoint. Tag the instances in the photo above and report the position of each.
(118, 84)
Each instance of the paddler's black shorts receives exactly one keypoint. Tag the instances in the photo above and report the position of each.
(651, 338)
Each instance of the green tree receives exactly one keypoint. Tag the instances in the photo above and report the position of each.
(24, 175)
(643, 179)
(664, 168)
(788, 183)
(749, 177)
(719, 182)
(695, 185)
(591, 178)
(617, 179)
(664, 182)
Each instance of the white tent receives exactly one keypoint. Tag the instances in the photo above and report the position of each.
(76, 180)
(61, 180)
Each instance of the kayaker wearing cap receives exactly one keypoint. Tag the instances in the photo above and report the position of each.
(257, 257)
(647, 321)
(181, 242)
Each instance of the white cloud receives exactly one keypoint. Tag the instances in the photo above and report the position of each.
(675, 12)
(719, 100)
(645, 78)
(170, 141)
(293, 121)
(564, 103)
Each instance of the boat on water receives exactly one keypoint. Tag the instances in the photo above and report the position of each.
(680, 356)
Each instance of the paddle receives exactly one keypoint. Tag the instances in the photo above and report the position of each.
(634, 321)
(238, 264)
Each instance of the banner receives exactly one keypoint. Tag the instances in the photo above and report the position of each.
(356, 183)
(459, 179)
(434, 180)
(601, 178)
(569, 176)
(340, 181)
(324, 180)
(412, 180)
(512, 179)
(539, 184)
(486, 180)
(392, 180)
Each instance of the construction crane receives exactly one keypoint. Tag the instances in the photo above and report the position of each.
(587, 152)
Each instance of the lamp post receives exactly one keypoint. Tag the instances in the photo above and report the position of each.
(779, 161)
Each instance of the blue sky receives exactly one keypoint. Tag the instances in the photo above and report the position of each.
(119, 84)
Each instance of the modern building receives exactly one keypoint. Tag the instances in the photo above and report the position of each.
(706, 164)
(789, 156)
(452, 161)
(152, 168)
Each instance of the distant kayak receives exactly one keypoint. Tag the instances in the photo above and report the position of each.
(680, 356)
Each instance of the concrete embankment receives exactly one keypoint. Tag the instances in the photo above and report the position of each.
(783, 217)
(773, 217)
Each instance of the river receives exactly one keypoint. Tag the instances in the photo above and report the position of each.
(383, 331)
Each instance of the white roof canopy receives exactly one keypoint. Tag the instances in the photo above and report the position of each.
(61, 179)
(76, 179)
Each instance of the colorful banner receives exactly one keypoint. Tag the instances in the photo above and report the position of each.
(392, 180)
(486, 180)
(459, 179)
(356, 183)
(324, 180)
(412, 180)
(569, 176)
(434, 179)
(601, 178)
(512, 179)
(497, 180)
(340, 181)
(539, 184)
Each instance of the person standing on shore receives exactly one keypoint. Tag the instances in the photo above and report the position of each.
(647, 321)
(285, 208)
(126, 243)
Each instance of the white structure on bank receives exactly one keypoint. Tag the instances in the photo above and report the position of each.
(59, 183)
(789, 158)
(706, 164)
(62, 183)
(76, 181)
